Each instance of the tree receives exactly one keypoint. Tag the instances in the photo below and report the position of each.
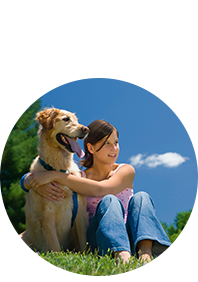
(183, 243)
(183, 220)
(19, 151)
(184, 235)
(194, 227)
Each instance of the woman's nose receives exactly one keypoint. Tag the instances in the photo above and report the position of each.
(114, 146)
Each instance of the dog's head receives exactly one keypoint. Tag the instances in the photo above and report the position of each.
(63, 129)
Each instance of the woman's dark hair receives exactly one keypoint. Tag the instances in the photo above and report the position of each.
(98, 130)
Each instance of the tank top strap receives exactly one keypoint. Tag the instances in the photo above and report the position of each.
(83, 174)
(119, 166)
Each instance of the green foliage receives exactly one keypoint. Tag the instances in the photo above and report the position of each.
(68, 264)
(183, 220)
(172, 230)
(19, 151)
(183, 243)
(184, 236)
(194, 227)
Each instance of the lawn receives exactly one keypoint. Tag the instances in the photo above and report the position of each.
(62, 264)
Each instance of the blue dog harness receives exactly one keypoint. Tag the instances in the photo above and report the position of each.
(74, 194)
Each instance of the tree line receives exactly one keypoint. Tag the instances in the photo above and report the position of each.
(184, 233)
(19, 152)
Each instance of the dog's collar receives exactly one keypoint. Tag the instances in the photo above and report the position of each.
(74, 195)
(49, 167)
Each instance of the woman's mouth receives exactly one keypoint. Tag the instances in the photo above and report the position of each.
(112, 155)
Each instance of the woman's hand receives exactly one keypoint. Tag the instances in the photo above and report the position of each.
(51, 191)
(39, 178)
(43, 183)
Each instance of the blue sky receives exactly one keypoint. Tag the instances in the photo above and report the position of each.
(152, 138)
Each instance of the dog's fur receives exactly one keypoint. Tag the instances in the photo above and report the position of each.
(48, 224)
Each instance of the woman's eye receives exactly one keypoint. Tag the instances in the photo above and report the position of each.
(66, 119)
(115, 143)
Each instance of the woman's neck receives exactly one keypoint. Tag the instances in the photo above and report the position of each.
(101, 171)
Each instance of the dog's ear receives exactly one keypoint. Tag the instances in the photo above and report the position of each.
(46, 118)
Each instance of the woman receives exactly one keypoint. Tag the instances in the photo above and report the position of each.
(119, 221)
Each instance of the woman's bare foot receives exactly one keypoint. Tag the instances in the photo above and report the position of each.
(124, 255)
(145, 258)
(144, 248)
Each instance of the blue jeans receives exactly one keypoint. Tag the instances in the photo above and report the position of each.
(108, 232)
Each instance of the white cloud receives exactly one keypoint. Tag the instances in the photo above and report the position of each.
(168, 160)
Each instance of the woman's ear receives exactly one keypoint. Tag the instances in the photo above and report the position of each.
(90, 148)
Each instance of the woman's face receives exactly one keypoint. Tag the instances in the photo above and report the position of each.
(108, 154)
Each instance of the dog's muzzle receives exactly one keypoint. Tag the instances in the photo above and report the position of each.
(71, 144)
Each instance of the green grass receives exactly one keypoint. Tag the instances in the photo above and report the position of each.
(29, 264)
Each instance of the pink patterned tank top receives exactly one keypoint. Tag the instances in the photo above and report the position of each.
(124, 197)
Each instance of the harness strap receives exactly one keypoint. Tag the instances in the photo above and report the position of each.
(74, 195)
(75, 208)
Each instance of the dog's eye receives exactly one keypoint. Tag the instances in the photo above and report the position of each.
(66, 119)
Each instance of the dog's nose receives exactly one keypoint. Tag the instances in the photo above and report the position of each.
(85, 129)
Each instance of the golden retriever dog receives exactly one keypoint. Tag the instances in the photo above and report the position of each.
(49, 224)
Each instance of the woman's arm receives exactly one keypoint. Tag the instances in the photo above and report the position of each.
(121, 180)
(50, 191)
